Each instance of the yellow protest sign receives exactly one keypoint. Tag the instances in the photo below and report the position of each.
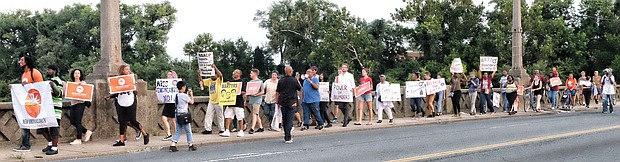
(229, 92)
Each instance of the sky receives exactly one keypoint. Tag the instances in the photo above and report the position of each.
(224, 19)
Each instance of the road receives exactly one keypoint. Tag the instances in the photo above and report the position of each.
(581, 136)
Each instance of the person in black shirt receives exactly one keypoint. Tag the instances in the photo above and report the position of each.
(286, 96)
(236, 110)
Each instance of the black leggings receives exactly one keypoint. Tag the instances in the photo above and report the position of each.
(587, 94)
(511, 100)
(323, 110)
(456, 102)
(127, 115)
(76, 113)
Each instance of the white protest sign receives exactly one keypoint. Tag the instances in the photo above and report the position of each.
(33, 105)
(166, 90)
(390, 93)
(324, 91)
(415, 89)
(496, 98)
(435, 85)
(205, 60)
(488, 63)
(341, 93)
(456, 66)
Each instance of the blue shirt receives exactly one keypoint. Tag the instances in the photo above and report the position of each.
(473, 87)
(311, 95)
(502, 82)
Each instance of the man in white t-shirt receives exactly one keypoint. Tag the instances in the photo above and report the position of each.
(345, 78)
(608, 81)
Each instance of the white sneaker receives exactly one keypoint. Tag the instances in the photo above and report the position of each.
(288, 142)
(240, 134)
(225, 134)
(87, 135)
(76, 142)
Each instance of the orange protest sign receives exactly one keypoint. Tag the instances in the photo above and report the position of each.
(79, 91)
(520, 90)
(124, 83)
(362, 89)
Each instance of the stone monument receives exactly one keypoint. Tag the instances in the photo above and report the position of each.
(517, 70)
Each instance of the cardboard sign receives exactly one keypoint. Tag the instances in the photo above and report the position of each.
(415, 89)
(229, 92)
(555, 81)
(324, 91)
(435, 85)
(33, 105)
(124, 83)
(166, 90)
(79, 91)
(205, 60)
(363, 89)
(520, 90)
(488, 63)
(252, 88)
(456, 66)
(341, 93)
(496, 99)
(390, 93)
(585, 83)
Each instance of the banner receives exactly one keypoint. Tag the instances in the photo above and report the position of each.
(324, 91)
(205, 60)
(124, 83)
(341, 93)
(229, 92)
(496, 99)
(519, 90)
(555, 81)
(435, 85)
(488, 63)
(415, 89)
(166, 90)
(390, 93)
(252, 88)
(33, 105)
(456, 66)
(79, 91)
(363, 89)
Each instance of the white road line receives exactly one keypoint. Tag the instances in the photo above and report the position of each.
(250, 155)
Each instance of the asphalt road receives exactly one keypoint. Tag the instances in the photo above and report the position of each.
(581, 136)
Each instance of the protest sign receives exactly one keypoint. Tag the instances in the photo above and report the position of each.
(519, 90)
(415, 89)
(229, 92)
(363, 89)
(390, 93)
(488, 63)
(324, 91)
(555, 81)
(79, 91)
(435, 85)
(33, 106)
(123, 83)
(252, 88)
(496, 99)
(205, 60)
(166, 90)
(456, 66)
(341, 93)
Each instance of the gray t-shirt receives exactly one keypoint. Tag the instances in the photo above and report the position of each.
(259, 99)
(182, 103)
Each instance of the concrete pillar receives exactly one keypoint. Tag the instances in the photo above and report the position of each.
(517, 69)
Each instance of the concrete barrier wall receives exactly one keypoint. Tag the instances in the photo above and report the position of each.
(150, 116)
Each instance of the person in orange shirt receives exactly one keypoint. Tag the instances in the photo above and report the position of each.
(571, 87)
(30, 75)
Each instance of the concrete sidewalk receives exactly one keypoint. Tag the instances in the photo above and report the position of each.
(103, 147)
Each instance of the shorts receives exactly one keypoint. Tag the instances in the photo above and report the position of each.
(232, 112)
(255, 109)
(54, 132)
(365, 97)
(169, 110)
(572, 92)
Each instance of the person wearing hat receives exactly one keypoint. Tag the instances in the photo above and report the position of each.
(383, 105)
(609, 82)
(52, 134)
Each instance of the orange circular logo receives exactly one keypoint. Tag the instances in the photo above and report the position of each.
(33, 103)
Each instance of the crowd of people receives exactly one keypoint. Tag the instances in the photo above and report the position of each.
(282, 98)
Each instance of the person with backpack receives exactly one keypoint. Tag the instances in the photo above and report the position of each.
(183, 116)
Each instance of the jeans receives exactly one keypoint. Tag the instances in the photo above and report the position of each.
(486, 99)
(26, 138)
(505, 100)
(75, 115)
(188, 132)
(314, 109)
(416, 105)
(439, 101)
(608, 102)
(269, 110)
(553, 95)
(288, 113)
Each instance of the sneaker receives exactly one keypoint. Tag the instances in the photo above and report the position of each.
(51, 152)
(379, 121)
(391, 121)
(167, 138)
(329, 125)
(75, 142)
(289, 141)
(173, 149)
(206, 132)
(123, 141)
(240, 134)
(251, 131)
(321, 127)
(88, 135)
(234, 130)
(23, 149)
(46, 149)
(260, 130)
(611, 112)
(118, 143)
(225, 134)
(335, 120)
(146, 139)
(300, 124)
(192, 148)
(305, 128)
(221, 132)
(138, 135)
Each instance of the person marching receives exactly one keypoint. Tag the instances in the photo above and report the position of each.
(236, 110)
(364, 99)
(77, 111)
(383, 105)
(168, 112)
(310, 103)
(255, 102)
(286, 95)
(52, 134)
(182, 102)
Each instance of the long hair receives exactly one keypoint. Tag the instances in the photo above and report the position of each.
(73, 77)
(174, 74)
(121, 68)
(29, 64)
